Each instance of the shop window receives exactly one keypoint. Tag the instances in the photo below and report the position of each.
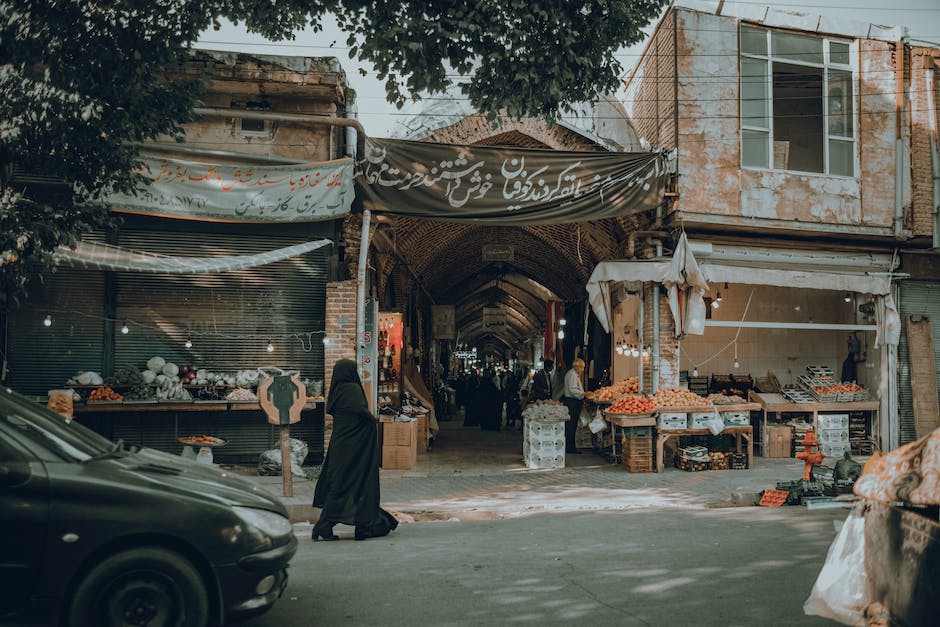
(796, 103)
(249, 127)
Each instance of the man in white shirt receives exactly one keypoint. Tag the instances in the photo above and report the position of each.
(573, 398)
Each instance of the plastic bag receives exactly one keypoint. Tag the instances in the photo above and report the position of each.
(716, 424)
(584, 418)
(597, 423)
(841, 589)
(269, 463)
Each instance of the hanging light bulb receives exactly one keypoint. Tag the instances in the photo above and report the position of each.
(188, 343)
(270, 347)
(562, 322)
(635, 351)
(715, 304)
(737, 364)
(645, 352)
(125, 329)
(694, 372)
(47, 321)
(326, 340)
(619, 349)
(561, 334)
(848, 298)
(718, 297)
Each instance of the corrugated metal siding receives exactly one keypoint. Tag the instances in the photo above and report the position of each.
(231, 316)
(43, 358)
(917, 297)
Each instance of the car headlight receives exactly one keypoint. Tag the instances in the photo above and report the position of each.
(268, 523)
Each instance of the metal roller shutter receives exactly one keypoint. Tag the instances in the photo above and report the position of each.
(230, 317)
(917, 297)
(41, 358)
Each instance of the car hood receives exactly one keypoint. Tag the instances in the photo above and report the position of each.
(170, 473)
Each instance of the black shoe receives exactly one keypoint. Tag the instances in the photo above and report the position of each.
(324, 532)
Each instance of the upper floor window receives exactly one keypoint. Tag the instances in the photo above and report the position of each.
(797, 103)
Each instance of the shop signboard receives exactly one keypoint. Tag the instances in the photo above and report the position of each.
(304, 192)
(494, 317)
(499, 252)
(442, 322)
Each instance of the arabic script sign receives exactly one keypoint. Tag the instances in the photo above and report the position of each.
(304, 192)
(507, 185)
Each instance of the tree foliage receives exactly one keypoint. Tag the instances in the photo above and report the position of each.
(84, 83)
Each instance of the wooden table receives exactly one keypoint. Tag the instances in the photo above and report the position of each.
(777, 404)
(623, 421)
(738, 432)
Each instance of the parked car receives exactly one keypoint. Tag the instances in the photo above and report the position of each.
(95, 535)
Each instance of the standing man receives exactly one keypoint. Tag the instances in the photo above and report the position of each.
(543, 382)
(573, 399)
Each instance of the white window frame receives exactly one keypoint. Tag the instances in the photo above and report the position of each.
(827, 65)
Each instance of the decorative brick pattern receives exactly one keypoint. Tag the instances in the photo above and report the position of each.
(921, 60)
(341, 333)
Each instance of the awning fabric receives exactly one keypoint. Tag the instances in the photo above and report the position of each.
(507, 185)
(257, 193)
(687, 280)
(106, 257)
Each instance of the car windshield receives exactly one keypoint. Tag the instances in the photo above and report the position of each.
(50, 430)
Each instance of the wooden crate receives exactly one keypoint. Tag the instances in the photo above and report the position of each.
(637, 454)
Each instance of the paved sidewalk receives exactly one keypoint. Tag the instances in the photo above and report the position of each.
(472, 474)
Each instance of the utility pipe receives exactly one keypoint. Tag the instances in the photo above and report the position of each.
(934, 149)
(361, 291)
(654, 357)
(307, 118)
(641, 335)
(899, 142)
(634, 235)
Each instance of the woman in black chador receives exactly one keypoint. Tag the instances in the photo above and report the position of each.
(348, 488)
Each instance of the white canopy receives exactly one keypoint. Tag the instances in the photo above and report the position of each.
(686, 280)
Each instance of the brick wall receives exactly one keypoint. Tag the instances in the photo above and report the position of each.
(921, 60)
(668, 345)
(341, 333)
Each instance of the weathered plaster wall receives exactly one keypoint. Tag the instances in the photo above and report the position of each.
(651, 91)
(711, 180)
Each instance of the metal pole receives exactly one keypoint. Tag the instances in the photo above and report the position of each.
(361, 290)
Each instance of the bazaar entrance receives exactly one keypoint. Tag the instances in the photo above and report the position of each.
(460, 301)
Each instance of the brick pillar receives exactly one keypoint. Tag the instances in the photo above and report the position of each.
(341, 333)
(668, 344)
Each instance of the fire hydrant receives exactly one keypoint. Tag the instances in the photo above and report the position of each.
(809, 456)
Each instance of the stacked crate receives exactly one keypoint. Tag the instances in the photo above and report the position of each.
(858, 434)
(637, 449)
(833, 434)
(543, 443)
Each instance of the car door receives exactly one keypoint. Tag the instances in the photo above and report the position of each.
(24, 520)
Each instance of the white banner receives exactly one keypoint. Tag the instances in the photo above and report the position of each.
(305, 192)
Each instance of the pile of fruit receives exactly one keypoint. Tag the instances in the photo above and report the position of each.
(632, 405)
(724, 399)
(203, 440)
(678, 397)
(615, 391)
(104, 393)
(837, 388)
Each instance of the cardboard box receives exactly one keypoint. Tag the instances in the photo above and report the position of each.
(399, 457)
(779, 441)
(399, 433)
(422, 433)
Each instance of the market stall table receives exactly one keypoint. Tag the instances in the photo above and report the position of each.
(623, 421)
(778, 404)
(738, 432)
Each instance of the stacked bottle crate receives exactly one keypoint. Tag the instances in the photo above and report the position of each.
(858, 434)
(543, 444)
(833, 434)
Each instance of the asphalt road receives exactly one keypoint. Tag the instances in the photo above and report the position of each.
(727, 567)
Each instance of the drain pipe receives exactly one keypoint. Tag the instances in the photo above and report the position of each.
(899, 143)
(654, 357)
(307, 118)
(934, 150)
(361, 291)
(634, 235)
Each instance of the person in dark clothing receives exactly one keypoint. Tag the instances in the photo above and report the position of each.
(471, 416)
(348, 488)
(543, 383)
(490, 403)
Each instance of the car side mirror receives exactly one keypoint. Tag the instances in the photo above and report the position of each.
(14, 473)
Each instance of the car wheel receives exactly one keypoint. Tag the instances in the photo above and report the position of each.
(148, 587)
